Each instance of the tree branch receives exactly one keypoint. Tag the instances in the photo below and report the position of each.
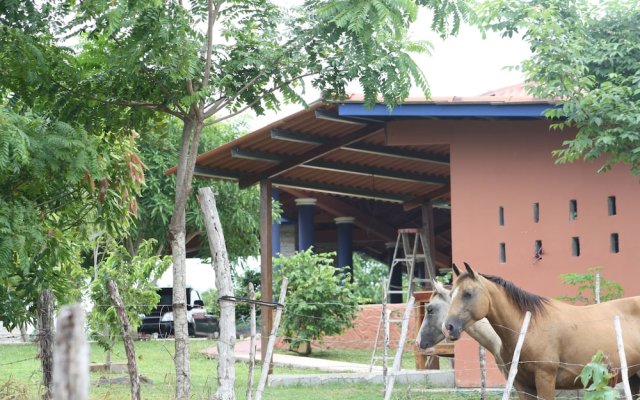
(213, 16)
(253, 103)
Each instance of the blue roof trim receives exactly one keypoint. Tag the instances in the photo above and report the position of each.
(535, 110)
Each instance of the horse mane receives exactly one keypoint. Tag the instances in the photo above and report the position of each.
(525, 301)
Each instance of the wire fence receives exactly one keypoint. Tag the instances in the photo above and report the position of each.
(164, 373)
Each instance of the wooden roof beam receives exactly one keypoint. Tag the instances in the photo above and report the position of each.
(388, 151)
(310, 155)
(431, 195)
(344, 167)
(340, 190)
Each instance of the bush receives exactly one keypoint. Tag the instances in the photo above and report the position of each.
(586, 285)
(320, 300)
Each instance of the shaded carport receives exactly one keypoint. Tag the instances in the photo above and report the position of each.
(337, 154)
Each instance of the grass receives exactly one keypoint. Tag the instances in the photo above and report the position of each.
(20, 375)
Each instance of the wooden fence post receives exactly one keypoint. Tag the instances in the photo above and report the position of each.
(483, 373)
(513, 371)
(397, 361)
(252, 343)
(623, 359)
(45, 339)
(220, 260)
(125, 328)
(597, 290)
(272, 341)
(71, 356)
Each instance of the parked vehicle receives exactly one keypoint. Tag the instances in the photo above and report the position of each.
(160, 321)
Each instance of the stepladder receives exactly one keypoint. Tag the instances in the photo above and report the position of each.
(411, 247)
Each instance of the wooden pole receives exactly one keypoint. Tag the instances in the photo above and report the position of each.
(623, 359)
(266, 264)
(483, 374)
(397, 361)
(266, 362)
(252, 342)
(45, 339)
(385, 342)
(71, 356)
(513, 371)
(227, 339)
(125, 328)
(597, 290)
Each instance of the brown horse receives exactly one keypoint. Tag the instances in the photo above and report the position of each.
(561, 337)
(430, 332)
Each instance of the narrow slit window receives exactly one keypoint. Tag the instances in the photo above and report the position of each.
(503, 253)
(612, 205)
(501, 216)
(575, 246)
(536, 212)
(537, 250)
(615, 243)
(573, 210)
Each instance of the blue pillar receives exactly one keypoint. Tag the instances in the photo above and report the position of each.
(306, 209)
(275, 228)
(396, 277)
(345, 244)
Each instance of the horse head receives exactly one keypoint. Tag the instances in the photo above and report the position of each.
(469, 303)
(430, 332)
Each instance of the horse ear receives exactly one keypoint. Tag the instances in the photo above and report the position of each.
(470, 270)
(437, 286)
(456, 270)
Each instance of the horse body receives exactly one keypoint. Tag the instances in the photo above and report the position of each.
(430, 332)
(561, 338)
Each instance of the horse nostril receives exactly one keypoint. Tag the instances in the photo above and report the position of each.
(450, 327)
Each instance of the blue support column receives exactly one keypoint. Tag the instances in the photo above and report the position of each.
(306, 210)
(345, 244)
(396, 277)
(275, 227)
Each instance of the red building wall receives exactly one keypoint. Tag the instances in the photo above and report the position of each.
(509, 164)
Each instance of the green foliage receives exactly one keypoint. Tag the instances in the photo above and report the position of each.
(210, 298)
(319, 301)
(586, 282)
(241, 289)
(597, 376)
(239, 209)
(586, 54)
(58, 186)
(134, 276)
(368, 274)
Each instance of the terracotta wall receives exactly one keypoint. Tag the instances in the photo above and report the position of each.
(509, 164)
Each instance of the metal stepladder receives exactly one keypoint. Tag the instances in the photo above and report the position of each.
(412, 241)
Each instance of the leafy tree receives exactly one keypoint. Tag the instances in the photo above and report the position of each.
(47, 223)
(319, 301)
(368, 274)
(134, 276)
(585, 54)
(586, 287)
(209, 60)
(159, 151)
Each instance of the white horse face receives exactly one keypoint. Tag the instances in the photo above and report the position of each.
(430, 333)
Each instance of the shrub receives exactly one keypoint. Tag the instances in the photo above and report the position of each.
(320, 300)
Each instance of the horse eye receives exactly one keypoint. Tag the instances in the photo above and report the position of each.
(466, 294)
(429, 310)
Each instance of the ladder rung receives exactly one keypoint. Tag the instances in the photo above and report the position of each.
(395, 321)
(396, 291)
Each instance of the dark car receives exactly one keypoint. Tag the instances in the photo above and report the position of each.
(160, 320)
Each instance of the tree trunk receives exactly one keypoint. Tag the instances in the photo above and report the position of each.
(177, 232)
(126, 339)
(71, 356)
(45, 339)
(226, 342)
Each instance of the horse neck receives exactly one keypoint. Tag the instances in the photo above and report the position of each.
(505, 318)
(484, 334)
